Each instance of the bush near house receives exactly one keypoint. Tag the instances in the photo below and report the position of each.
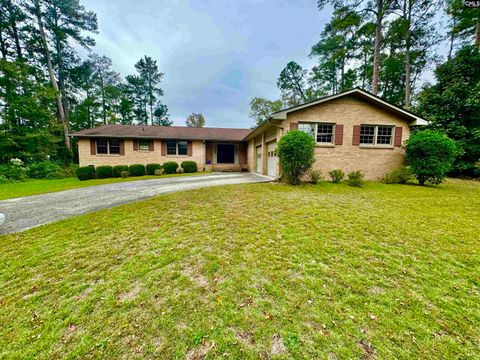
(314, 176)
(189, 166)
(170, 167)
(151, 168)
(117, 170)
(430, 155)
(11, 172)
(402, 175)
(124, 174)
(45, 170)
(86, 173)
(295, 151)
(355, 178)
(136, 170)
(336, 175)
(104, 172)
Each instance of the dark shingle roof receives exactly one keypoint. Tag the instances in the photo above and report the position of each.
(164, 132)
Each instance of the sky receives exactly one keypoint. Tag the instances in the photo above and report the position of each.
(216, 54)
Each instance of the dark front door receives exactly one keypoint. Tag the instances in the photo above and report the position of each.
(225, 153)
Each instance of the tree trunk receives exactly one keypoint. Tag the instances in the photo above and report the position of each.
(53, 80)
(104, 113)
(408, 38)
(477, 34)
(3, 47)
(17, 41)
(378, 44)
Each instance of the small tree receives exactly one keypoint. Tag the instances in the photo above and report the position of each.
(430, 155)
(195, 120)
(296, 154)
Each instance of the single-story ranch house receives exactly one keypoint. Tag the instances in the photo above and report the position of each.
(354, 130)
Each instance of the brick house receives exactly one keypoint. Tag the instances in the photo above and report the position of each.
(354, 130)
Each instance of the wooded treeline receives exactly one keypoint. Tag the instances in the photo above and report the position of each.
(47, 90)
(385, 47)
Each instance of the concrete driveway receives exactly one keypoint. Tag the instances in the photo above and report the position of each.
(31, 211)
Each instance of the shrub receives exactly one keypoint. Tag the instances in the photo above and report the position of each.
(124, 174)
(45, 170)
(430, 155)
(159, 172)
(13, 172)
(399, 176)
(118, 169)
(296, 155)
(70, 170)
(337, 175)
(355, 178)
(314, 176)
(86, 173)
(136, 170)
(170, 167)
(180, 170)
(189, 166)
(104, 172)
(151, 168)
(4, 180)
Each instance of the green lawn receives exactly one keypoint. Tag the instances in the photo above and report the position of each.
(252, 271)
(35, 187)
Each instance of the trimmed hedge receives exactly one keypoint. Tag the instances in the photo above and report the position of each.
(189, 166)
(152, 167)
(117, 170)
(104, 172)
(136, 170)
(86, 173)
(170, 167)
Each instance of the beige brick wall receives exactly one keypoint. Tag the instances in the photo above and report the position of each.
(349, 111)
(138, 157)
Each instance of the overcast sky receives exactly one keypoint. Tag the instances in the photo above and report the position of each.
(216, 54)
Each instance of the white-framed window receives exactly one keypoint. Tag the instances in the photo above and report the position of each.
(177, 147)
(144, 144)
(323, 133)
(108, 147)
(376, 135)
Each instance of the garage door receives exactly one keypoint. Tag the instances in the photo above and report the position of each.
(258, 156)
(271, 159)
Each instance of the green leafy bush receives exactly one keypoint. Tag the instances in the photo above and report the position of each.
(296, 155)
(70, 170)
(136, 170)
(170, 167)
(13, 172)
(104, 172)
(315, 176)
(430, 154)
(355, 178)
(189, 166)
(124, 174)
(86, 173)
(117, 170)
(45, 170)
(402, 175)
(152, 167)
(4, 180)
(336, 175)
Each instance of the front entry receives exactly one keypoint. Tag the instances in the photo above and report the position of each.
(225, 153)
(258, 157)
(271, 159)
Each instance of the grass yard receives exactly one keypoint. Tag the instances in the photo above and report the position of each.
(35, 187)
(252, 271)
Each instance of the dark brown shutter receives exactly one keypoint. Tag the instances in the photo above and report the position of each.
(93, 147)
(398, 136)
(135, 145)
(293, 126)
(164, 148)
(151, 145)
(122, 147)
(356, 135)
(338, 134)
(189, 148)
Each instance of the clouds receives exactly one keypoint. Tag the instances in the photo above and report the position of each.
(216, 55)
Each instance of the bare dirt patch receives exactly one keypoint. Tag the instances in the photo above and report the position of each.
(132, 294)
(199, 353)
(369, 352)
(278, 347)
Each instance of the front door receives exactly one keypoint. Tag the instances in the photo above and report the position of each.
(258, 155)
(225, 153)
(271, 159)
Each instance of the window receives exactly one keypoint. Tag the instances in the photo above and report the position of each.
(111, 146)
(177, 147)
(376, 135)
(144, 144)
(322, 132)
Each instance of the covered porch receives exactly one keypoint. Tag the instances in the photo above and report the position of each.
(225, 156)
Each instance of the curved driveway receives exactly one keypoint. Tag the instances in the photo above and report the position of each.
(30, 211)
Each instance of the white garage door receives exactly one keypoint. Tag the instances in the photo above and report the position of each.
(271, 159)
(258, 155)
